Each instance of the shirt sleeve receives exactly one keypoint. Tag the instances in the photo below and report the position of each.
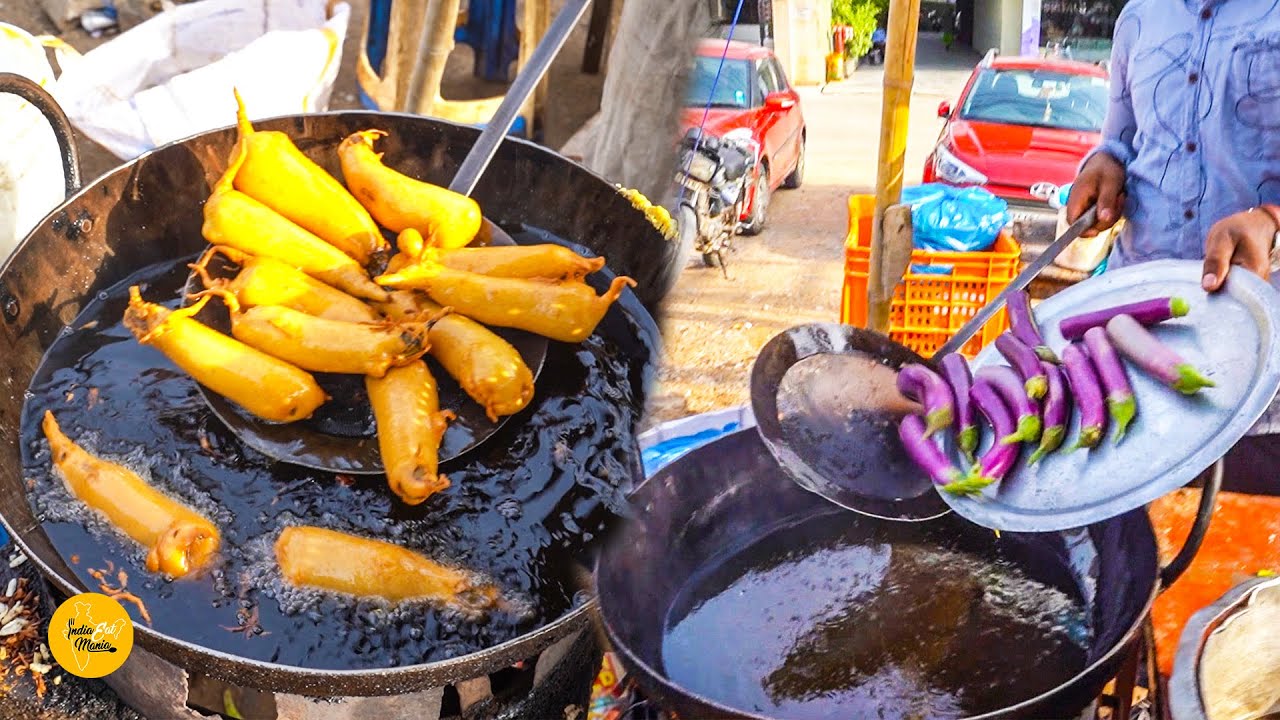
(1120, 125)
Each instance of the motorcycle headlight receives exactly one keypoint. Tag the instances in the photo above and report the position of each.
(702, 168)
(951, 169)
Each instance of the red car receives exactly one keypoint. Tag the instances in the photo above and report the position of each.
(753, 93)
(1021, 127)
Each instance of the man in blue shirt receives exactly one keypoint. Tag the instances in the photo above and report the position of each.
(1191, 155)
(1191, 148)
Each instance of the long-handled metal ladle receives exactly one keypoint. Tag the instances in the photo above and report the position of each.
(317, 444)
(826, 404)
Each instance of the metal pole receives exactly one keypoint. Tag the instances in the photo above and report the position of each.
(525, 83)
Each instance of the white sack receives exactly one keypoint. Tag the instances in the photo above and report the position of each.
(172, 76)
(31, 182)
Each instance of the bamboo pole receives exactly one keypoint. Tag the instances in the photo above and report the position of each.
(899, 76)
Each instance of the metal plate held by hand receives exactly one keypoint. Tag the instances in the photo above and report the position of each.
(827, 406)
(1233, 336)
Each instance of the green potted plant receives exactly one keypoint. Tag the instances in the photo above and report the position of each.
(862, 17)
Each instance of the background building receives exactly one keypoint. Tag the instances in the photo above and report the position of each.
(1081, 29)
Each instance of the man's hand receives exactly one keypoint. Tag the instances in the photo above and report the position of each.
(1243, 239)
(1100, 182)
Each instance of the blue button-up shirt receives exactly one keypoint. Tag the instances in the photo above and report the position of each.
(1195, 119)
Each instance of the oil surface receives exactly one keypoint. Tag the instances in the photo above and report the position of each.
(521, 508)
(817, 621)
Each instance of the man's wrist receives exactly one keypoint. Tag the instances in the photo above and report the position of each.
(1114, 149)
(1273, 212)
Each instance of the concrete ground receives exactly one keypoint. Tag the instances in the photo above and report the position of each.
(793, 272)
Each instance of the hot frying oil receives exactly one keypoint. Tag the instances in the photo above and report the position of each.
(520, 511)
(817, 621)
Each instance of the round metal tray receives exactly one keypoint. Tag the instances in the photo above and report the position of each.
(1232, 336)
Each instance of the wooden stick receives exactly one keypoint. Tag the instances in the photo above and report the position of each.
(895, 257)
(899, 75)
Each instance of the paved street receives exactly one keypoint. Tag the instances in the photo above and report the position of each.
(792, 273)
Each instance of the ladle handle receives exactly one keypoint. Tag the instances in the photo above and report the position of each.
(15, 84)
(530, 75)
(1024, 278)
(1170, 573)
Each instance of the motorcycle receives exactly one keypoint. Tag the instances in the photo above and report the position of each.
(712, 185)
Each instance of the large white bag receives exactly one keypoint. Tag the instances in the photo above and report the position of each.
(31, 182)
(172, 76)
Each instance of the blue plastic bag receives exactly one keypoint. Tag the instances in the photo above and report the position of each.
(952, 219)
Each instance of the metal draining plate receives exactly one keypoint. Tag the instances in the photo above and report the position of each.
(1232, 336)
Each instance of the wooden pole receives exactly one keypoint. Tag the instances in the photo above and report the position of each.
(435, 43)
(899, 76)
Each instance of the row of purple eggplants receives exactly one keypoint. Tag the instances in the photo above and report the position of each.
(1030, 400)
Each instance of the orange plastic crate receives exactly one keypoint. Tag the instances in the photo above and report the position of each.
(928, 309)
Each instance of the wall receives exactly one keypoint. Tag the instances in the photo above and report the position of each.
(997, 24)
(1010, 27)
(802, 39)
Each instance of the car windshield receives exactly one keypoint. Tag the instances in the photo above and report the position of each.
(732, 91)
(1039, 98)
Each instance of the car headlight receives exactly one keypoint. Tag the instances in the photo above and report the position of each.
(953, 170)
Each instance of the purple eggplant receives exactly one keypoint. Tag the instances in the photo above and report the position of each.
(1137, 345)
(926, 453)
(955, 370)
(1022, 323)
(1005, 380)
(1000, 457)
(1086, 390)
(1056, 414)
(1146, 312)
(1121, 404)
(925, 387)
(1026, 362)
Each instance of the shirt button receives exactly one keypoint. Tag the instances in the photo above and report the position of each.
(1189, 215)
(1193, 78)
(1205, 14)
(1191, 147)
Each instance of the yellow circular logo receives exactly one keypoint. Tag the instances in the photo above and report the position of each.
(90, 635)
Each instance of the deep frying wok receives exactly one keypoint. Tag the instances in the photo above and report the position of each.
(148, 211)
(706, 505)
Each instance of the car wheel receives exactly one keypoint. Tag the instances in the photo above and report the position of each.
(759, 208)
(796, 178)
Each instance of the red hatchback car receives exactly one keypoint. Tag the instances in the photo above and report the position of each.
(1021, 127)
(753, 93)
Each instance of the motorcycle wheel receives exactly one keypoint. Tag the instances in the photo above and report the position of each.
(686, 234)
(759, 208)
